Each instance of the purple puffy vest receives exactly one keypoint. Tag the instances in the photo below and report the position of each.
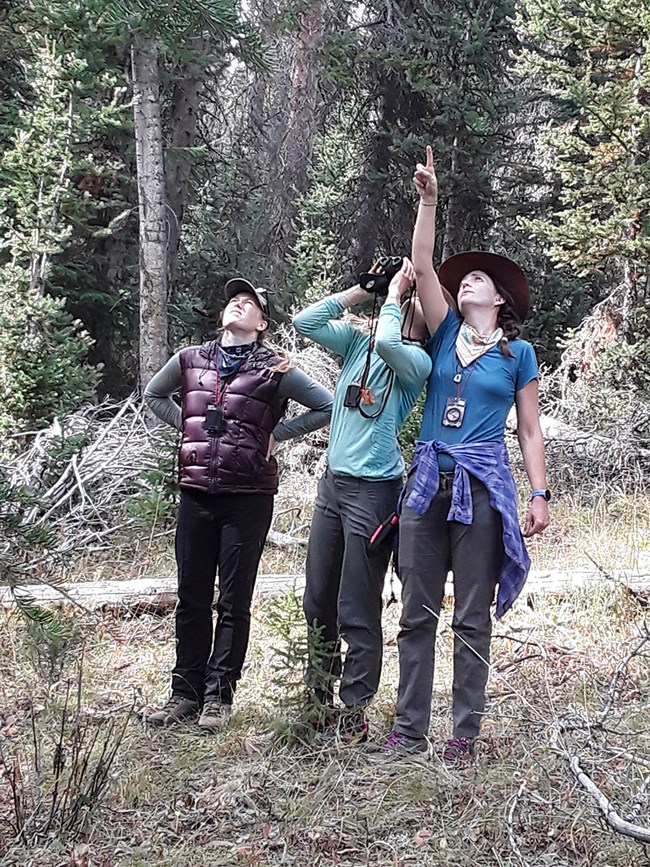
(234, 462)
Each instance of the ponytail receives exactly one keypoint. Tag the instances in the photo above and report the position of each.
(505, 349)
(508, 320)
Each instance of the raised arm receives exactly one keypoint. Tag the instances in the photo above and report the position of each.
(319, 322)
(412, 366)
(434, 305)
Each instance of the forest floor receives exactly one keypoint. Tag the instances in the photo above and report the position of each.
(85, 784)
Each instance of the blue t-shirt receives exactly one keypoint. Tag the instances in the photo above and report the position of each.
(488, 386)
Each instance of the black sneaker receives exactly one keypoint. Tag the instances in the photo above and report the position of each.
(177, 710)
(215, 717)
(398, 746)
(322, 718)
(352, 727)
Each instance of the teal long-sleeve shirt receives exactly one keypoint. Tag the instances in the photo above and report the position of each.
(362, 447)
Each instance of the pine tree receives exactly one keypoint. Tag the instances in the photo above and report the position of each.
(153, 28)
(594, 61)
(42, 349)
(411, 74)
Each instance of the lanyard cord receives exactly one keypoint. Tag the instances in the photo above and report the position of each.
(389, 386)
(458, 378)
(218, 395)
(371, 341)
(410, 315)
(366, 367)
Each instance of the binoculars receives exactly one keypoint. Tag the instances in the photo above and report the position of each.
(378, 283)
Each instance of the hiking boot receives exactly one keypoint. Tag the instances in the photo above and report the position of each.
(177, 710)
(352, 727)
(398, 746)
(322, 718)
(458, 751)
(214, 717)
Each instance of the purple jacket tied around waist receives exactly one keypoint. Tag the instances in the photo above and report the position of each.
(488, 462)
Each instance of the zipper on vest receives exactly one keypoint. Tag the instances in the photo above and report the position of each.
(213, 466)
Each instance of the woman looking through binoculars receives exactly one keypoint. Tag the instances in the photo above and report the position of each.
(382, 375)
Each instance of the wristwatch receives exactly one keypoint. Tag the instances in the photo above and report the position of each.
(542, 492)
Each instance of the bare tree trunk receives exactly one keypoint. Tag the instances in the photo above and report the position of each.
(453, 230)
(263, 12)
(182, 126)
(292, 177)
(154, 230)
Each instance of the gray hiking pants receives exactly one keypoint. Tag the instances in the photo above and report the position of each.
(345, 582)
(431, 546)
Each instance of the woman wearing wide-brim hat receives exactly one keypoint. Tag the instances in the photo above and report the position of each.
(460, 506)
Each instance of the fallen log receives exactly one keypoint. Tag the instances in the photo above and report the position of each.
(158, 595)
(131, 594)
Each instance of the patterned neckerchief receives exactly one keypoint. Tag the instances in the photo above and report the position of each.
(470, 345)
(230, 357)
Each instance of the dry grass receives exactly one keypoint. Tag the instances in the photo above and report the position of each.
(246, 798)
(253, 797)
(611, 530)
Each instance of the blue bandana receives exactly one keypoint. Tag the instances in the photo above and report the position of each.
(230, 357)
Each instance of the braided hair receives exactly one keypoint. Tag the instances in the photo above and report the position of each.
(508, 320)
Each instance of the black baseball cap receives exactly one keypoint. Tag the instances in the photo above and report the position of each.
(238, 284)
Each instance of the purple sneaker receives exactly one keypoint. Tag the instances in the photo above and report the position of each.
(458, 751)
(398, 746)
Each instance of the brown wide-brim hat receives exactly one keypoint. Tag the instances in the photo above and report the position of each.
(239, 284)
(506, 272)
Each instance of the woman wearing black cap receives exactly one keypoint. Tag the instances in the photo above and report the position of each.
(234, 392)
(460, 505)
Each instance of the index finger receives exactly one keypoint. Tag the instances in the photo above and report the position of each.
(429, 158)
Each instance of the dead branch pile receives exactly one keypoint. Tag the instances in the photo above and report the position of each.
(600, 749)
(579, 399)
(83, 500)
(583, 462)
(115, 457)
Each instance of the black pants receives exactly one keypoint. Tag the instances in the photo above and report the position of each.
(345, 581)
(431, 546)
(227, 531)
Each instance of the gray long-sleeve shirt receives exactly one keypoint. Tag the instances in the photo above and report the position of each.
(294, 385)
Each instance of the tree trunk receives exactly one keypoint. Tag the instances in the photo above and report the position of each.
(453, 230)
(154, 229)
(292, 178)
(262, 12)
(182, 126)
